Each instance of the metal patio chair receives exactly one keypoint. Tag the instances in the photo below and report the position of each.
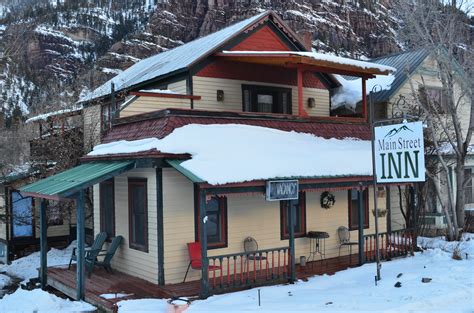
(251, 250)
(345, 240)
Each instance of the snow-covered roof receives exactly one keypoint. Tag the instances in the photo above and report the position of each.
(45, 116)
(247, 153)
(172, 60)
(320, 57)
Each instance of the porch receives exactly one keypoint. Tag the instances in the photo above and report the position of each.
(101, 282)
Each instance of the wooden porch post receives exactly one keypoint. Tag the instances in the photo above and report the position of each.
(360, 199)
(80, 279)
(291, 228)
(299, 82)
(203, 240)
(364, 99)
(43, 245)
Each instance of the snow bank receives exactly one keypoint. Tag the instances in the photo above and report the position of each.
(27, 267)
(41, 301)
(142, 305)
(4, 281)
(236, 153)
(466, 245)
(350, 91)
(354, 290)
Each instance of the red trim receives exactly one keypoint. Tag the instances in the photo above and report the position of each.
(143, 183)
(265, 73)
(222, 200)
(164, 95)
(284, 233)
(366, 215)
(126, 156)
(299, 79)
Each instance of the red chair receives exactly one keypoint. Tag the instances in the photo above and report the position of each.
(194, 250)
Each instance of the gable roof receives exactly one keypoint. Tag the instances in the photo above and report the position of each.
(406, 63)
(179, 59)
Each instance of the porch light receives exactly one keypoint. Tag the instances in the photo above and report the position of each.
(311, 102)
(220, 95)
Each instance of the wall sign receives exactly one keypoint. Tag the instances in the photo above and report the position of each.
(399, 153)
(282, 190)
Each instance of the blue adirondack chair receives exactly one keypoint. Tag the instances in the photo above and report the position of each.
(93, 252)
(108, 255)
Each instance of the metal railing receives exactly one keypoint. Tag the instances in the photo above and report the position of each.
(394, 244)
(248, 269)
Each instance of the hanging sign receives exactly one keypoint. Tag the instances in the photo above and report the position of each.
(282, 190)
(399, 153)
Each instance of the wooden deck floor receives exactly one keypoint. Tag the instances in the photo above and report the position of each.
(102, 282)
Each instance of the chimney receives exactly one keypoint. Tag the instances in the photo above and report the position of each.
(307, 38)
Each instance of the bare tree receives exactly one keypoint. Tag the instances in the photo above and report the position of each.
(446, 31)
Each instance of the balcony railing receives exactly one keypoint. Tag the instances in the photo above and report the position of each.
(241, 270)
(396, 243)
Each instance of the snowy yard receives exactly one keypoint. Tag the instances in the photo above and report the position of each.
(450, 290)
(353, 290)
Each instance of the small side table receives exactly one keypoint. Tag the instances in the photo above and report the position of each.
(317, 244)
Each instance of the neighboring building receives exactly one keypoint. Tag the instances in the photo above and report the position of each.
(190, 138)
(415, 68)
(57, 147)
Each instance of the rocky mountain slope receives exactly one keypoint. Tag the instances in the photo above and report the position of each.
(51, 51)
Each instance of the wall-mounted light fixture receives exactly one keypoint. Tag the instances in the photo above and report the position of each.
(311, 102)
(220, 95)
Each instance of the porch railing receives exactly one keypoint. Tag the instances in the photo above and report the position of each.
(396, 243)
(240, 270)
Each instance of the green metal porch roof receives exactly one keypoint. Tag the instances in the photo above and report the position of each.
(69, 182)
(176, 164)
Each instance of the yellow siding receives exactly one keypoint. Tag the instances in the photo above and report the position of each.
(127, 260)
(207, 87)
(179, 87)
(149, 104)
(91, 127)
(248, 215)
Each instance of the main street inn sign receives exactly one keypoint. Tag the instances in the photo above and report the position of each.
(399, 153)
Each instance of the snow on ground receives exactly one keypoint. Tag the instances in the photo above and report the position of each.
(353, 290)
(243, 153)
(27, 267)
(4, 281)
(142, 305)
(41, 301)
(451, 290)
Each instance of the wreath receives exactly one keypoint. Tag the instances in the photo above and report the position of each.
(327, 200)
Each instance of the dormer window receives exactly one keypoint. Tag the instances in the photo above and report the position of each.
(266, 99)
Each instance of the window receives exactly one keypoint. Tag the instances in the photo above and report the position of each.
(53, 213)
(106, 117)
(436, 97)
(300, 221)
(216, 225)
(354, 209)
(469, 186)
(137, 214)
(107, 207)
(266, 99)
